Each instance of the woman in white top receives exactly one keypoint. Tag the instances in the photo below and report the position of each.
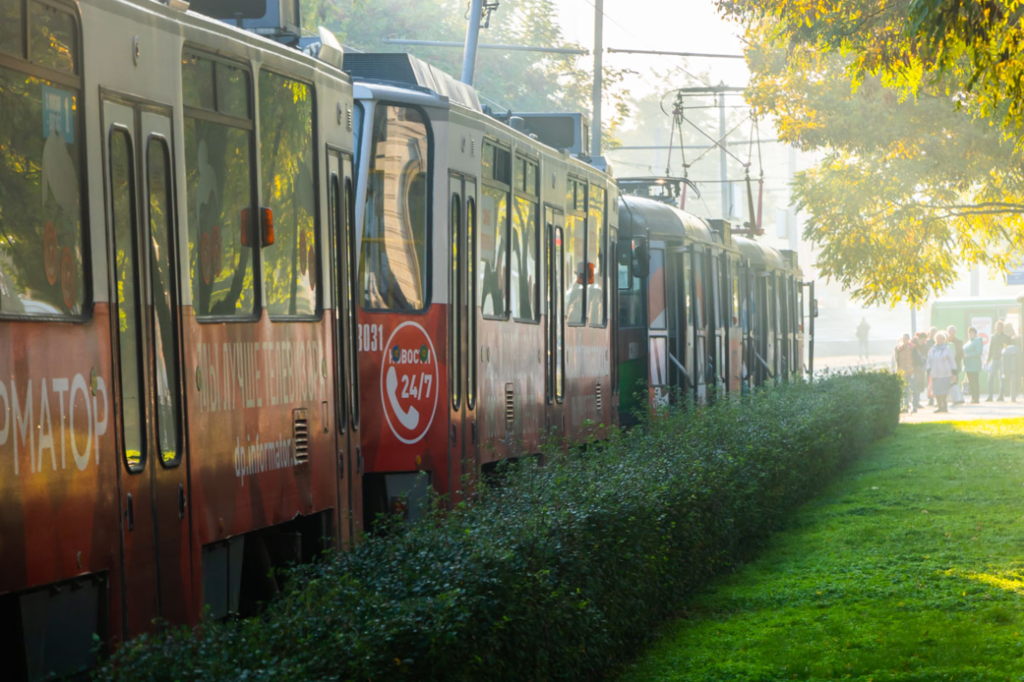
(941, 364)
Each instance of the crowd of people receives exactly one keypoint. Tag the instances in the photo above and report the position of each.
(936, 364)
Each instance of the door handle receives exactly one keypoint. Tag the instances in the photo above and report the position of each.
(181, 500)
(129, 513)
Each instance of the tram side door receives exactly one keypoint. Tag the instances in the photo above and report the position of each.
(717, 292)
(697, 281)
(341, 212)
(659, 353)
(462, 330)
(146, 340)
(554, 223)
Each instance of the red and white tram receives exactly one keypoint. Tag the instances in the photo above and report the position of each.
(249, 300)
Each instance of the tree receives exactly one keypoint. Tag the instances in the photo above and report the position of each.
(520, 81)
(919, 173)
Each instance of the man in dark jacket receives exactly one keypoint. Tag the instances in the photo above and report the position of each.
(995, 360)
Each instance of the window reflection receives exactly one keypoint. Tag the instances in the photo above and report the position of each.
(163, 283)
(126, 272)
(40, 205)
(286, 151)
(52, 37)
(393, 253)
(221, 223)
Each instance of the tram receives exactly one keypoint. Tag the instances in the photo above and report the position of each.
(255, 292)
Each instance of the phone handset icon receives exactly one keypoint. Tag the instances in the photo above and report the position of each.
(407, 419)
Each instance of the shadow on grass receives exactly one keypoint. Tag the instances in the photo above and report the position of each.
(909, 567)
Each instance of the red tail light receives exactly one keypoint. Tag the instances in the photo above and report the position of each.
(590, 273)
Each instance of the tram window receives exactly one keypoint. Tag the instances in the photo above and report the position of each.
(290, 265)
(493, 251)
(595, 270)
(41, 252)
(456, 300)
(699, 298)
(576, 275)
(233, 92)
(657, 289)
(162, 275)
(471, 296)
(525, 243)
(52, 37)
(393, 258)
(221, 222)
(631, 292)
(220, 243)
(197, 82)
(735, 294)
(126, 271)
(10, 28)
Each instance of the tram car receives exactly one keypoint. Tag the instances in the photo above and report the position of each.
(255, 292)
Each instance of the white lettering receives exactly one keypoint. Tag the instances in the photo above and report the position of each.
(101, 426)
(45, 431)
(78, 385)
(23, 422)
(60, 386)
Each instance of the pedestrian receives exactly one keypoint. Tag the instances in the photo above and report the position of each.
(862, 338)
(920, 367)
(973, 350)
(1011, 360)
(955, 393)
(995, 360)
(929, 344)
(904, 356)
(941, 364)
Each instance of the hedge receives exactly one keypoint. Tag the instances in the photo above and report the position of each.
(559, 571)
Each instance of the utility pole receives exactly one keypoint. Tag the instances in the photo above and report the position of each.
(472, 40)
(723, 161)
(595, 125)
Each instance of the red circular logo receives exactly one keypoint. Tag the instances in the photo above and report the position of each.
(409, 382)
(51, 259)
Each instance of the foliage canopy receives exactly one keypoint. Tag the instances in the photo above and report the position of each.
(915, 106)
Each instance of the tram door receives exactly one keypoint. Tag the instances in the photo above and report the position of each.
(142, 234)
(658, 352)
(462, 330)
(698, 305)
(341, 211)
(554, 223)
(718, 291)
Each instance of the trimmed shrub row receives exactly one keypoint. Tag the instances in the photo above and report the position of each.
(559, 571)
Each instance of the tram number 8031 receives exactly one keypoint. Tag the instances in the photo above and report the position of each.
(371, 337)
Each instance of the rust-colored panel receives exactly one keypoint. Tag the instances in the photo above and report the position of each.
(244, 382)
(58, 470)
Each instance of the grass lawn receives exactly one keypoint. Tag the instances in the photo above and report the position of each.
(909, 567)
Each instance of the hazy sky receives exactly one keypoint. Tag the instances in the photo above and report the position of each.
(673, 25)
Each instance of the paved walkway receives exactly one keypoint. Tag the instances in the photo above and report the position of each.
(967, 412)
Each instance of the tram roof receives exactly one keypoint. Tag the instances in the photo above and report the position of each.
(404, 70)
(761, 256)
(637, 214)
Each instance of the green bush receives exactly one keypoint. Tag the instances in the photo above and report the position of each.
(560, 571)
